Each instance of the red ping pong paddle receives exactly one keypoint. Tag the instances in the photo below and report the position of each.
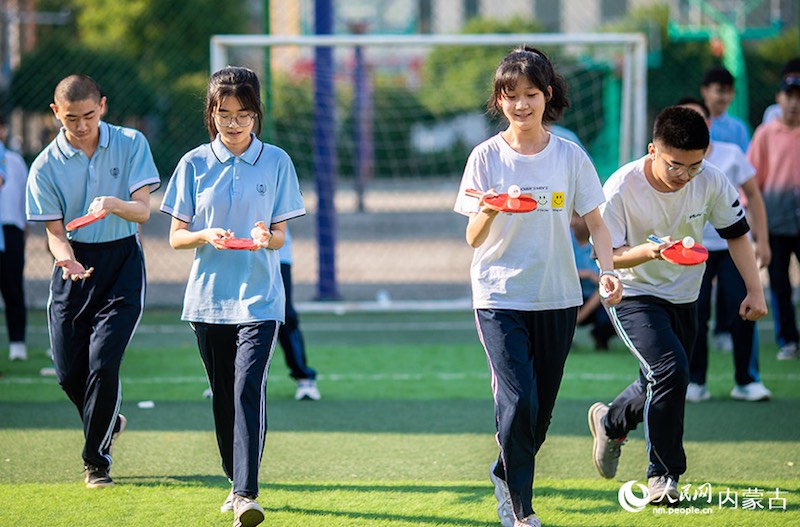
(239, 244)
(680, 255)
(85, 220)
(503, 202)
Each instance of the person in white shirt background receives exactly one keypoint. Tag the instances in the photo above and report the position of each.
(12, 258)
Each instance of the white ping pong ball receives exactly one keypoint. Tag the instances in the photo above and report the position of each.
(255, 233)
(514, 191)
(688, 242)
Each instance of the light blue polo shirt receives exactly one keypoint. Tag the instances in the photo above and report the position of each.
(213, 188)
(730, 129)
(63, 182)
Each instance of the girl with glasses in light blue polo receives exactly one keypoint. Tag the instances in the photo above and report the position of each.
(234, 299)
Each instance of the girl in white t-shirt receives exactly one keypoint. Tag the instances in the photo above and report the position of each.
(526, 290)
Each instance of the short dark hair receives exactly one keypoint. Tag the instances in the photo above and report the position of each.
(791, 67)
(77, 87)
(681, 128)
(238, 82)
(718, 75)
(532, 64)
(683, 101)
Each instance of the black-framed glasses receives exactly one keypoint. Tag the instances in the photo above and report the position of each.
(677, 172)
(241, 119)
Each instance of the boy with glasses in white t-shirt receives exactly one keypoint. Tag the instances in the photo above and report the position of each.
(670, 193)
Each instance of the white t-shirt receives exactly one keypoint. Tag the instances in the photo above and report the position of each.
(634, 210)
(729, 158)
(526, 262)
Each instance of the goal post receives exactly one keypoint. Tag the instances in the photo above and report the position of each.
(633, 115)
(404, 111)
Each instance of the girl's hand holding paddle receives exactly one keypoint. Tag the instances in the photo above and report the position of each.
(216, 236)
(261, 235)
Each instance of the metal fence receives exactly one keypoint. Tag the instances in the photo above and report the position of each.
(396, 234)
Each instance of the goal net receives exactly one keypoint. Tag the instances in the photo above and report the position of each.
(379, 129)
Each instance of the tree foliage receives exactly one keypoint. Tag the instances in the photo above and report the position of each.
(35, 80)
(458, 78)
(168, 39)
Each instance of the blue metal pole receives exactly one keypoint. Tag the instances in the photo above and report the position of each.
(325, 154)
(358, 132)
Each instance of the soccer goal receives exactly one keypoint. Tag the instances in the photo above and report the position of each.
(379, 128)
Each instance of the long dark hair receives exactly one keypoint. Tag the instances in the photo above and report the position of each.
(233, 81)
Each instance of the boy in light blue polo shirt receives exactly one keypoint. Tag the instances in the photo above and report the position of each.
(235, 186)
(98, 283)
(718, 90)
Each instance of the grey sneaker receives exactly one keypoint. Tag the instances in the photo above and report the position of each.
(530, 521)
(663, 490)
(227, 505)
(606, 450)
(504, 509)
(97, 477)
(247, 513)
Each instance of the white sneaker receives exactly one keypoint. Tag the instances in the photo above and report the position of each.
(247, 513)
(227, 505)
(17, 351)
(307, 390)
(504, 509)
(755, 391)
(696, 393)
(723, 342)
(788, 352)
(123, 422)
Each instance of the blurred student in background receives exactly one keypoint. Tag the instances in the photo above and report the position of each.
(774, 111)
(290, 336)
(12, 259)
(748, 386)
(775, 154)
(717, 89)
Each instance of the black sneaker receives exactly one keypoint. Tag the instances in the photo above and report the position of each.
(97, 477)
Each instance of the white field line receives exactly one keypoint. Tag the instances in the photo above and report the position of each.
(332, 327)
(389, 377)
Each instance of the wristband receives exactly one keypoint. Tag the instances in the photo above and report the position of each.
(610, 273)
